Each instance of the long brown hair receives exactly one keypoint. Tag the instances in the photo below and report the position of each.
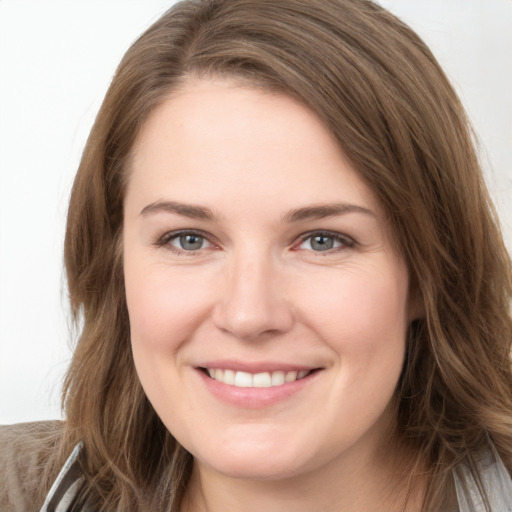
(383, 96)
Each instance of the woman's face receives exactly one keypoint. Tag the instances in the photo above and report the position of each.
(268, 308)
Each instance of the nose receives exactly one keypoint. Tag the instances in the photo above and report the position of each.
(252, 302)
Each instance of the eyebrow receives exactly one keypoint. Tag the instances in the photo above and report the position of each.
(306, 213)
(322, 211)
(187, 210)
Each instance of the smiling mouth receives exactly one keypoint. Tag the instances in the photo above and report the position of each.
(256, 380)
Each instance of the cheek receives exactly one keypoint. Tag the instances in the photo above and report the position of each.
(165, 309)
(361, 314)
(164, 306)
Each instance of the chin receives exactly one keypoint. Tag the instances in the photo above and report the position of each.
(262, 468)
(258, 460)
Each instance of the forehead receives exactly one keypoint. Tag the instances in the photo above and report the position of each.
(220, 111)
(212, 138)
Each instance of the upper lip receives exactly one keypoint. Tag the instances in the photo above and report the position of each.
(255, 366)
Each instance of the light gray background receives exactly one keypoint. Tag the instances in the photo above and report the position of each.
(56, 60)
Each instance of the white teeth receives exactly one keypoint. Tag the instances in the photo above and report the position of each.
(262, 380)
(277, 378)
(242, 379)
(258, 380)
(290, 377)
(229, 377)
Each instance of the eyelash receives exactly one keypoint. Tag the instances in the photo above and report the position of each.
(164, 241)
(345, 241)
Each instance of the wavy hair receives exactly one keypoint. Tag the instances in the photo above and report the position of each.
(381, 93)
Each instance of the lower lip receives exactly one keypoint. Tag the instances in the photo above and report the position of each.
(255, 398)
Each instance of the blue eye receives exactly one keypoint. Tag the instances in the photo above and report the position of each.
(323, 242)
(184, 241)
(189, 242)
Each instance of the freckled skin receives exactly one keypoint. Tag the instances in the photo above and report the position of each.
(257, 289)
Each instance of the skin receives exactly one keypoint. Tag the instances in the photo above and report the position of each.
(258, 290)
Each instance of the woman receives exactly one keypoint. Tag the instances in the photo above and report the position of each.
(293, 291)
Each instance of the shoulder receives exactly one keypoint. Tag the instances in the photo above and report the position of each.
(24, 450)
(483, 478)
